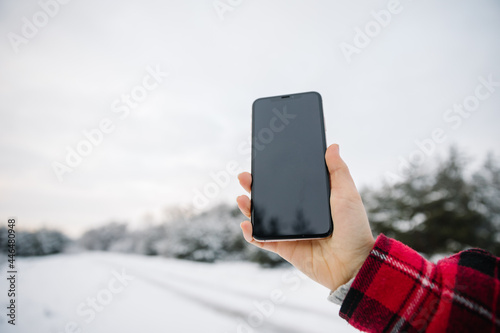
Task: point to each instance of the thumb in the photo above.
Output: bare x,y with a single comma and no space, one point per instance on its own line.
341,182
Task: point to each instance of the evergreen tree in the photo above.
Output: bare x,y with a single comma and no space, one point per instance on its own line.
440,211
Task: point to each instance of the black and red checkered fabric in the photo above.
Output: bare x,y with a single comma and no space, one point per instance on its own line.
397,290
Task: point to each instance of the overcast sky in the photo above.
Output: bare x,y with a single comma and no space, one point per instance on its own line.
70,73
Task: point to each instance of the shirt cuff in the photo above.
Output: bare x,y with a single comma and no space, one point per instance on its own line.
340,293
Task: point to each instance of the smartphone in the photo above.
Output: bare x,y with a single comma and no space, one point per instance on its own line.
290,179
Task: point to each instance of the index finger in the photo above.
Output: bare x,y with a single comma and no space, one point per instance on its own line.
245,179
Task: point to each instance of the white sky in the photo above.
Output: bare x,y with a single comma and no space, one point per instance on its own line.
64,80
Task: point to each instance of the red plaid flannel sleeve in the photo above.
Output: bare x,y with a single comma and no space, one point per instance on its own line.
397,290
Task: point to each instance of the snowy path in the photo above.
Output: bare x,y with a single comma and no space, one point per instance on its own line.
165,296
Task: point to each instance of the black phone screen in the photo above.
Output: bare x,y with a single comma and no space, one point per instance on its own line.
290,186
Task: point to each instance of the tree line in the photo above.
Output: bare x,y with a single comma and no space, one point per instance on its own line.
438,210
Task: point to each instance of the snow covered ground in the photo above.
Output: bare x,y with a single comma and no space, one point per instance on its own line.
109,292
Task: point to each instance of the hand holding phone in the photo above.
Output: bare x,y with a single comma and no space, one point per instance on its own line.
329,261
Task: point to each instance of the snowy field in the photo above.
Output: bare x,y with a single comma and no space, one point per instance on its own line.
109,292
